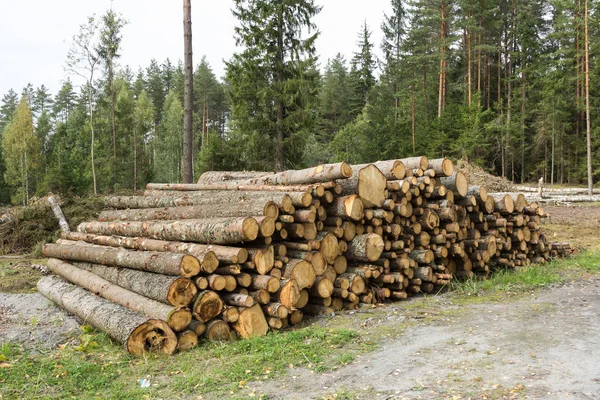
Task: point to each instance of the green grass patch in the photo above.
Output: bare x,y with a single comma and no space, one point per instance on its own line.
95,367
532,277
18,277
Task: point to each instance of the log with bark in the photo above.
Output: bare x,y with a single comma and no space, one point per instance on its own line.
159,262
178,318
206,254
368,183
62,221
137,332
208,231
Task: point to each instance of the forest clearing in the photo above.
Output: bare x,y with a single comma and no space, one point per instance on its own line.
222,229
336,350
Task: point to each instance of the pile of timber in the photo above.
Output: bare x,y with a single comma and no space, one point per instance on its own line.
241,253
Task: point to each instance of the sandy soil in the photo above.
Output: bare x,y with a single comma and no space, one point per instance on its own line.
544,346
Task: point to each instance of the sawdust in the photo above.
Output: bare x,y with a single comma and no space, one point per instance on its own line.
478,176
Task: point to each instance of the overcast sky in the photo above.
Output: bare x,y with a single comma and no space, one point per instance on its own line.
35,35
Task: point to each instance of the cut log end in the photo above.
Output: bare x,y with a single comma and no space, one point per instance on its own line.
181,292
250,228
190,266
153,336
179,318
346,170
207,305
354,207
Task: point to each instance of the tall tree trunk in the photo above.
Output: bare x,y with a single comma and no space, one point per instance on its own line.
587,104
280,164
412,88
425,93
187,173
134,159
92,141
442,64
112,115
523,84
469,89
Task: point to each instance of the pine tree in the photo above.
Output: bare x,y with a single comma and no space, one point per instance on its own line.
169,145
108,51
142,131
362,71
273,80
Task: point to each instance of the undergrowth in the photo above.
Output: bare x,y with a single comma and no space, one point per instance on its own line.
32,227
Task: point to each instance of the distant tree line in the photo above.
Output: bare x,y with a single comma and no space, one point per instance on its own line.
502,83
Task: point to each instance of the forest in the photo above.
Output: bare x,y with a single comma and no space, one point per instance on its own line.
501,83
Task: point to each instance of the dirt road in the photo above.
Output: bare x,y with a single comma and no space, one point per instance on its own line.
542,346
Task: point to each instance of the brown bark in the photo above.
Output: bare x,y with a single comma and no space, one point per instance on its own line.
269,209
138,333
176,291
350,206
217,230
177,318
228,198
365,248
209,256
163,263
187,173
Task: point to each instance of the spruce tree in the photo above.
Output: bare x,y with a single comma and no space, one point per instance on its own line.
273,80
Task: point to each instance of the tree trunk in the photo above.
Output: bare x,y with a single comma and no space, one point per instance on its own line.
138,333
188,95
217,230
161,263
368,182
391,169
209,256
587,104
300,271
251,322
365,248
270,209
62,221
211,197
163,189
177,318
456,183
441,166
346,207
207,306
177,291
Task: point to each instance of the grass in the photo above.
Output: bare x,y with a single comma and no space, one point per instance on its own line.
532,277
17,276
93,366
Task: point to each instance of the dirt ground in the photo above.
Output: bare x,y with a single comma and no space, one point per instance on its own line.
544,345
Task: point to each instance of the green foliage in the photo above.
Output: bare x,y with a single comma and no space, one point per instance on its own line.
273,81
22,153
168,144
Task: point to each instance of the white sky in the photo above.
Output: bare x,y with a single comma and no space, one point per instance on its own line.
35,35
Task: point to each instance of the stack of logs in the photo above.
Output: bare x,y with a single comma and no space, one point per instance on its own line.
240,253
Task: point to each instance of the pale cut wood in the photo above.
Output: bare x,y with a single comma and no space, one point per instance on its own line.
365,248
177,318
160,262
137,332
318,174
322,287
300,271
186,340
251,322
205,254
177,291
479,192
456,183
208,231
277,310
350,206
198,327
238,299
368,183
288,293
441,166
411,163
217,330
62,221
391,169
